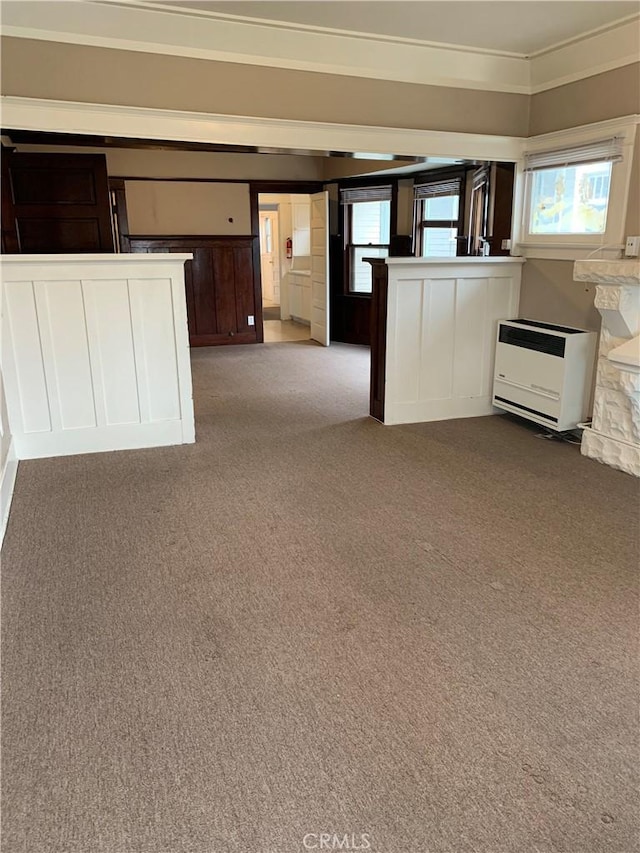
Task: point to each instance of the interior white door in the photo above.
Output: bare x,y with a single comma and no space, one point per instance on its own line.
269,260
320,268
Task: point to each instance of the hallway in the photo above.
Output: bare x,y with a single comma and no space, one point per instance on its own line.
308,622
283,331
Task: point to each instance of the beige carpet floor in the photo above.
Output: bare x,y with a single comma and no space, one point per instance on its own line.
423,638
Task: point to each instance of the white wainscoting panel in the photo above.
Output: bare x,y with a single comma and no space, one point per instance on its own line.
8,463
95,352
442,316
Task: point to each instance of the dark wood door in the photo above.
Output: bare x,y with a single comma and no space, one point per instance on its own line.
220,282
56,203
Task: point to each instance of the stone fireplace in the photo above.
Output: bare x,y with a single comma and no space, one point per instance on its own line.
614,434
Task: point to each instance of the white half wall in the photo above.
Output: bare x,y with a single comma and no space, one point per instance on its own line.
442,317
95,352
8,463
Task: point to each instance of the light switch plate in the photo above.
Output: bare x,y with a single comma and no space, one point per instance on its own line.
251,320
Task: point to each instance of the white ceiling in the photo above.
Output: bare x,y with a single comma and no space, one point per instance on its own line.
517,26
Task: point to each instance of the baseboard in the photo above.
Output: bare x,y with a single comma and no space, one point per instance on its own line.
421,411
7,483
103,439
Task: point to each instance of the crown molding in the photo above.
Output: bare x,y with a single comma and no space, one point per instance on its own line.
225,38
595,53
624,126
145,123
181,31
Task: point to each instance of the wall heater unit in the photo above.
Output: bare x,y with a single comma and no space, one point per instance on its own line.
544,372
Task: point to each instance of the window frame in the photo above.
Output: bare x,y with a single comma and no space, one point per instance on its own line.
576,246
419,221
348,248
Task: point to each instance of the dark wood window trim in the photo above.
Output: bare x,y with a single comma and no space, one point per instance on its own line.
119,218
349,248
479,209
420,222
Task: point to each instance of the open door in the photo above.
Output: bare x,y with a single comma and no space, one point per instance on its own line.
320,267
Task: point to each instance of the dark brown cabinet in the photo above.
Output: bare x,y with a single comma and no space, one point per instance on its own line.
55,203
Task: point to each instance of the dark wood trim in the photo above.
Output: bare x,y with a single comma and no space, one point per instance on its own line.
181,180
393,212
116,187
239,332
58,203
372,181
204,240
446,172
293,187
378,337
502,199
10,242
257,269
420,223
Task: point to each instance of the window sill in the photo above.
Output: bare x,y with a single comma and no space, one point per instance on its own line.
569,251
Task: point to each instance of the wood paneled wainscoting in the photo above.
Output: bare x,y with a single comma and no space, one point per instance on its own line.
222,286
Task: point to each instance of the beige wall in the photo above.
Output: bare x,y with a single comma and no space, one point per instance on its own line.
548,289
68,72
72,72
603,96
154,163
549,293
181,207
632,226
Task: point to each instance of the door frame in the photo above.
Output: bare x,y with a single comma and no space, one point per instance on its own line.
274,210
283,188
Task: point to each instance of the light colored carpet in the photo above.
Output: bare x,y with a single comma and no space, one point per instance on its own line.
308,622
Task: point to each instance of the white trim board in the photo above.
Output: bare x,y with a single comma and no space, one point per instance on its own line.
7,484
573,247
187,32
146,123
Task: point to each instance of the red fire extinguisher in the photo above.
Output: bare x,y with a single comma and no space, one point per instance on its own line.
289,248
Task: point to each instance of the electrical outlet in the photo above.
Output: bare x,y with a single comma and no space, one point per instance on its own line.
632,247
506,245
251,320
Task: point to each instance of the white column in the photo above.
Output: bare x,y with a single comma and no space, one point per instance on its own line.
614,435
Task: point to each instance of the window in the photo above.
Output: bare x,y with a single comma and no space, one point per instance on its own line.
570,199
574,198
367,218
437,213
479,210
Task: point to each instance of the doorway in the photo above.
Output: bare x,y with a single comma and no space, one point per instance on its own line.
293,235
269,261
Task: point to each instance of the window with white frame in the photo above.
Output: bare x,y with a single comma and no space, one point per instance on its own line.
575,196
367,221
437,218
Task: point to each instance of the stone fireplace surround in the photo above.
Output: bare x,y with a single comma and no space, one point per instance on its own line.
614,434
